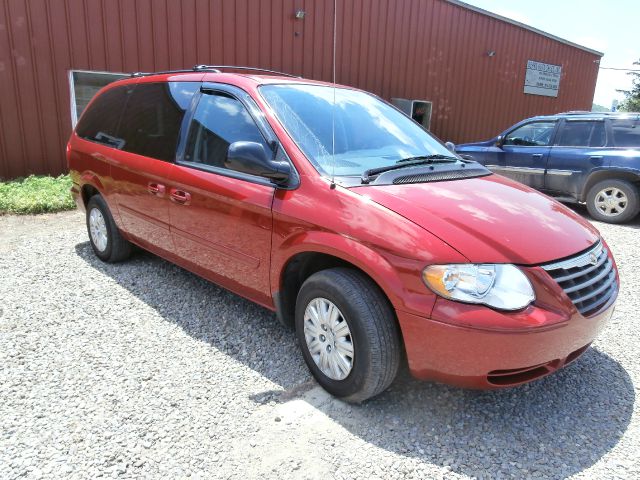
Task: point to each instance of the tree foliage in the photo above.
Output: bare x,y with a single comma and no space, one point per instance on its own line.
631,103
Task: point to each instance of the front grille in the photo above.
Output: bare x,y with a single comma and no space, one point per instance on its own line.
589,279
436,176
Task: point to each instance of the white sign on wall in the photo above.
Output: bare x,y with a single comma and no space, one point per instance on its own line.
542,79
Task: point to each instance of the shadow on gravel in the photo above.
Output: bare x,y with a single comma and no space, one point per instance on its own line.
582,211
556,426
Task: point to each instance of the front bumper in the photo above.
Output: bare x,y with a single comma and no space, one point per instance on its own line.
488,359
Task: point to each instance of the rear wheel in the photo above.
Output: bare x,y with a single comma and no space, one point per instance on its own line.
105,238
348,334
613,201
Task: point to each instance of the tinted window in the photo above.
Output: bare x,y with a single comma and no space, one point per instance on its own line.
582,134
85,85
626,132
537,134
100,122
219,121
151,122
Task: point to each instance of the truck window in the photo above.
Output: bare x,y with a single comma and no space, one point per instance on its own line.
582,134
626,132
536,134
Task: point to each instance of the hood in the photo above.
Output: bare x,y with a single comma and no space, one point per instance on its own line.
485,143
490,219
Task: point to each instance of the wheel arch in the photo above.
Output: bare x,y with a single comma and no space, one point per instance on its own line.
90,186
307,260
609,174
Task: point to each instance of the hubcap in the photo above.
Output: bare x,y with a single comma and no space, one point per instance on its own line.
98,229
328,338
611,202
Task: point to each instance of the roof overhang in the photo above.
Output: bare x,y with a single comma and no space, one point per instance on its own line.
524,25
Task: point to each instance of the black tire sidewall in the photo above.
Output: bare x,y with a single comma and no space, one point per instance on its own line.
632,197
357,377
97,202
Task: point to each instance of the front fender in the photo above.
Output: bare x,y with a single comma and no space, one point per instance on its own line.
399,278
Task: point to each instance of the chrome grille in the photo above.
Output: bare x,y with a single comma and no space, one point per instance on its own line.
589,279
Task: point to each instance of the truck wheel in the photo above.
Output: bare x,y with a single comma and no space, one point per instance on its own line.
613,201
105,238
348,334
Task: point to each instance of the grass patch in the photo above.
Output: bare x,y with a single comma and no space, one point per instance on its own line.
36,194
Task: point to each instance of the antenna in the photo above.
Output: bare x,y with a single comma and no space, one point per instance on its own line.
333,108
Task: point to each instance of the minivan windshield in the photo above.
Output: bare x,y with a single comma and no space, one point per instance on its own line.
369,133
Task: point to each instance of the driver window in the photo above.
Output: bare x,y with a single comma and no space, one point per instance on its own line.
219,120
537,134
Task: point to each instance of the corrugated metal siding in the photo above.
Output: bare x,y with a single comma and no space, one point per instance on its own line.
422,49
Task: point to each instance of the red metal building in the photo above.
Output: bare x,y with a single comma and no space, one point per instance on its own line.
469,63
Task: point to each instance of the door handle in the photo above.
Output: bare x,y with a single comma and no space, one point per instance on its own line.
595,157
180,196
537,155
156,189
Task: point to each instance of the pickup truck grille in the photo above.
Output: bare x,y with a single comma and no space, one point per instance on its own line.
589,279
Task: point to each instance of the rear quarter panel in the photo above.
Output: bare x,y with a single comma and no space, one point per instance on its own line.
90,164
623,164
569,168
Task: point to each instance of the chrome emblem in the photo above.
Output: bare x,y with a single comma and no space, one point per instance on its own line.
593,259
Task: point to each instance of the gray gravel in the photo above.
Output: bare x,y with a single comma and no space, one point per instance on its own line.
144,370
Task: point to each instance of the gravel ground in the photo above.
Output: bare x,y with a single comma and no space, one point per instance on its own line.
144,370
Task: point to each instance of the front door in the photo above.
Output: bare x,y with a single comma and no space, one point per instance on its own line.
221,220
524,153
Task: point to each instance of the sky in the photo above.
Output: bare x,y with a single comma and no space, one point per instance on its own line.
607,26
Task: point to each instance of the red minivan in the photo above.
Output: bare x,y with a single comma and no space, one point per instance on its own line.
356,226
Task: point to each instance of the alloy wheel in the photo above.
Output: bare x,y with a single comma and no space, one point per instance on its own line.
611,201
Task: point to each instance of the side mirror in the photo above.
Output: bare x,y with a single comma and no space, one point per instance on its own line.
252,158
450,146
499,141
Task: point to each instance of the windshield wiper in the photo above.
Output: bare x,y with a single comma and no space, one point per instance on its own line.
368,175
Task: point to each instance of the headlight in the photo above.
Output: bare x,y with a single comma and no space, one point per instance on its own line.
500,286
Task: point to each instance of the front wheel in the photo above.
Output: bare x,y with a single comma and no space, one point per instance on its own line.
348,334
613,201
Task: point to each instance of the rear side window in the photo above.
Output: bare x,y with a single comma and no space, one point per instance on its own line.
151,122
626,132
582,134
99,123
219,121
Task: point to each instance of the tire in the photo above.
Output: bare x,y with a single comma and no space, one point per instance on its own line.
112,247
620,191
373,333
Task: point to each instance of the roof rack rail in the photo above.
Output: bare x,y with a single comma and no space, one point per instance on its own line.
236,67
585,112
213,69
194,69
576,112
